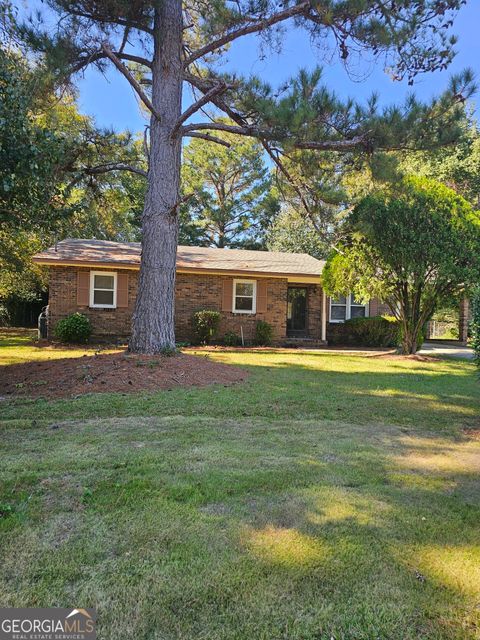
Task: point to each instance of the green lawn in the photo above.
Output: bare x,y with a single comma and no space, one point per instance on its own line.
328,496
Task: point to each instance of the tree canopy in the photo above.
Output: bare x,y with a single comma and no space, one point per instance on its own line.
55,174
457,166
411,245
291,231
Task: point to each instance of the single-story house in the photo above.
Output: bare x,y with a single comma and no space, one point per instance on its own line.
99,279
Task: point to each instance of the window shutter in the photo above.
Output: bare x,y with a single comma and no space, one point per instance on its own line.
262,293
83,288
122,290
227,297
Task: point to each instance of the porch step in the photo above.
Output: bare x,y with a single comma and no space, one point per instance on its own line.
304,343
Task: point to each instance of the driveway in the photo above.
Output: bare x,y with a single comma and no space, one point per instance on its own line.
450,350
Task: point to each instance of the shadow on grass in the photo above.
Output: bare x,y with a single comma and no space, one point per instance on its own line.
235,528
327,386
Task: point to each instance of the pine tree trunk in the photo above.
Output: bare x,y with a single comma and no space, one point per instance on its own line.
153,320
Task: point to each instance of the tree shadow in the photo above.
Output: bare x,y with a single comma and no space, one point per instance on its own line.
368,538
307,528
436,398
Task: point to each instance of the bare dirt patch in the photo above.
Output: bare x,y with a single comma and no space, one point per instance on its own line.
116,372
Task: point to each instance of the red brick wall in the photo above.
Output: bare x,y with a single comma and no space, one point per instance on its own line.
378,308
63,301
193,292
314,311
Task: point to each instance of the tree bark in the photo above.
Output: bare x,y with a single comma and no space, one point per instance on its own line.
153,320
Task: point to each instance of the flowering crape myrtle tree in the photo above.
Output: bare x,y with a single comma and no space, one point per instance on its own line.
164,47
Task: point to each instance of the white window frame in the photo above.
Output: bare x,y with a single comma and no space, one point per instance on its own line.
254,297
93,289
348,309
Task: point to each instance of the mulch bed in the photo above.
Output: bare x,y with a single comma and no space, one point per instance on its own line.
118,372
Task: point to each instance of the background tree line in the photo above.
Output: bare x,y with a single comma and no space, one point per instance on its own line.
57,181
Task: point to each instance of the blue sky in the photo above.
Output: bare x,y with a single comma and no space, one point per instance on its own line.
111,101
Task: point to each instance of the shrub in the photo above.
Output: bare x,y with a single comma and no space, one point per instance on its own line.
74,328
475,325
263,334
377,331
231,339
205,325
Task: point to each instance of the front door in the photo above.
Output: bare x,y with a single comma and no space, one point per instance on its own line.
297,312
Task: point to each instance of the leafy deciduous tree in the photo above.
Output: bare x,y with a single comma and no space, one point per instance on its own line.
56,174
411,245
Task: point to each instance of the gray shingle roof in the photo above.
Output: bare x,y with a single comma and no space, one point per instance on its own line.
105,252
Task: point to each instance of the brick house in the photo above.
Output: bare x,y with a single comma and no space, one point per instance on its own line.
99,279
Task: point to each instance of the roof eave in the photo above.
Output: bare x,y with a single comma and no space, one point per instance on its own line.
56,262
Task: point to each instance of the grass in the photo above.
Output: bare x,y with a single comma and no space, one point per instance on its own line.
329,496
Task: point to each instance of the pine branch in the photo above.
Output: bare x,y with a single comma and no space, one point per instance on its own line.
259,25
204,85
215,90
133,82
114,166
279,164
220,126
265,134
133,58
208,137
101,55
333,145
110,20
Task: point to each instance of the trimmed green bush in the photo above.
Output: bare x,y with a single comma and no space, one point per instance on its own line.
205,325
263,334
377,331
74,328
231,339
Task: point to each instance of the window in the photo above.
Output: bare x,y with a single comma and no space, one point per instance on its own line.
357,309
103,289
346,307
338,309
244,296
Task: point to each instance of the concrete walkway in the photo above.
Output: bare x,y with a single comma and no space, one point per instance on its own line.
442,349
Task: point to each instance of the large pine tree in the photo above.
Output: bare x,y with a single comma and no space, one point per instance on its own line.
161,47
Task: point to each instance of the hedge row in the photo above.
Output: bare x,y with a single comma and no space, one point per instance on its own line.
377,331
